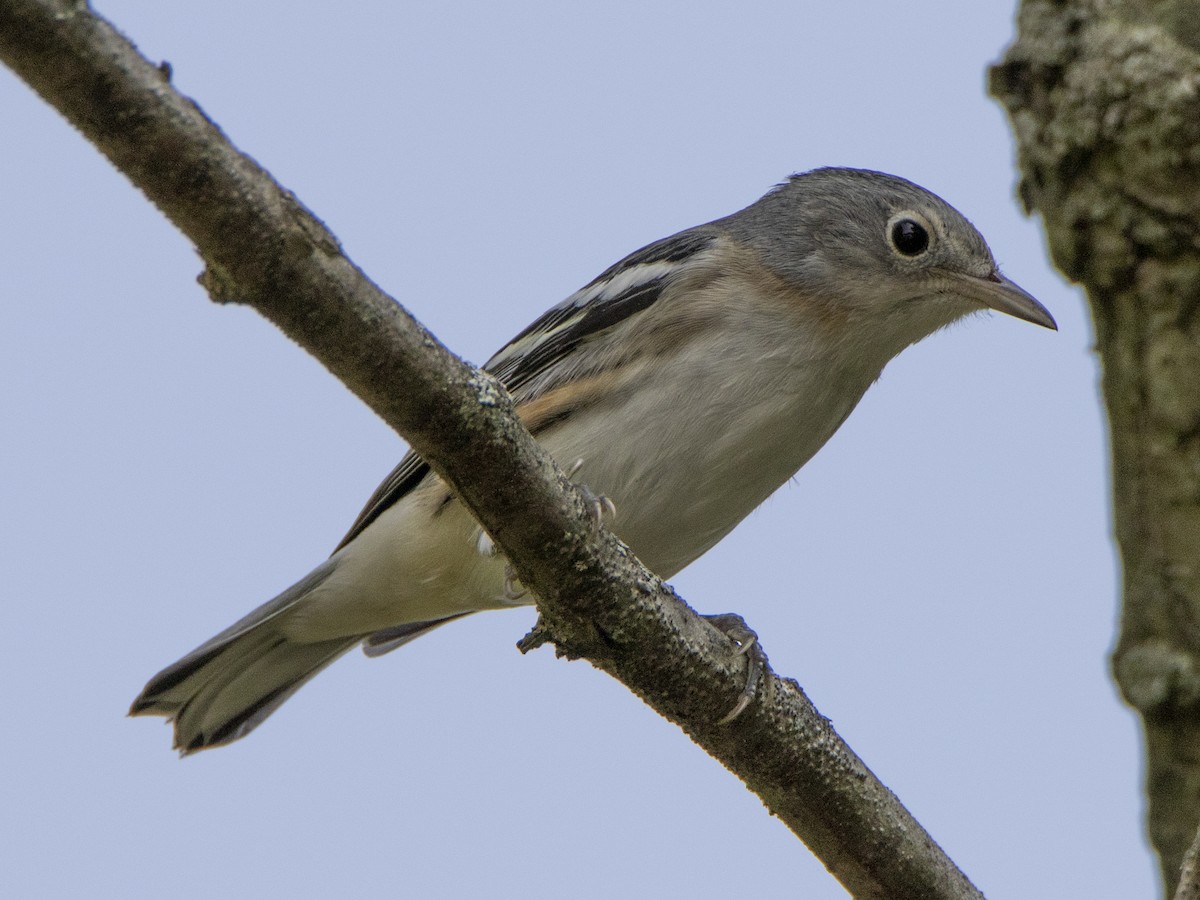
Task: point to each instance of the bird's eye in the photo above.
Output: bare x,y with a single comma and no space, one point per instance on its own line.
909,238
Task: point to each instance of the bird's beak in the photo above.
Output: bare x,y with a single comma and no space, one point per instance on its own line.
998,293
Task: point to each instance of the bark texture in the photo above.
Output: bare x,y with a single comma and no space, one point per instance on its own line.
1104,97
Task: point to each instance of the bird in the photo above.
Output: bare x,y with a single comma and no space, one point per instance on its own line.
683,386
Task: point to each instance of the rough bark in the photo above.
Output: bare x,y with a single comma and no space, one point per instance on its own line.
263,248
1189,873
1104,97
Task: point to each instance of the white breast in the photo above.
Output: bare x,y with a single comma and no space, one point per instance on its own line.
696,434
722,427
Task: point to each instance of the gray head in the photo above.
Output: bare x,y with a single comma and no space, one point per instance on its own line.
879,248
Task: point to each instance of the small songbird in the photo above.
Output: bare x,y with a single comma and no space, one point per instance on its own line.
684,385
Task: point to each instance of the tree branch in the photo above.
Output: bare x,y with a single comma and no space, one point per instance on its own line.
261,247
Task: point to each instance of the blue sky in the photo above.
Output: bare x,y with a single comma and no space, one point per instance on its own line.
941,578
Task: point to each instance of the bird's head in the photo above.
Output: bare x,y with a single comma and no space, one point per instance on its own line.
889,259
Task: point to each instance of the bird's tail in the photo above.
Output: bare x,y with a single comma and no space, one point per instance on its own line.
226,693
225,688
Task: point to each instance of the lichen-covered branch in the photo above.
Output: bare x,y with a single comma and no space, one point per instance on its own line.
263,248
1104,97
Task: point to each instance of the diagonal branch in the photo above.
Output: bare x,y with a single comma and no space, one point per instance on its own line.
263,248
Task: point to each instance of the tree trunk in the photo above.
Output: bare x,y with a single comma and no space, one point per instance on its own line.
1104,97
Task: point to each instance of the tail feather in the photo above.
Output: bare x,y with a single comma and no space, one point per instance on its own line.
249,687
390,639
224,694
226,687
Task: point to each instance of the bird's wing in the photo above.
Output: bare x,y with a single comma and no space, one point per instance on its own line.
524,366
621,291
402,479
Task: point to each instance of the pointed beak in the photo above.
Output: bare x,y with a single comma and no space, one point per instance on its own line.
998,293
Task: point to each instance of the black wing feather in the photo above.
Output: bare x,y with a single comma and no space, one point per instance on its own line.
565,326
520,370
672,249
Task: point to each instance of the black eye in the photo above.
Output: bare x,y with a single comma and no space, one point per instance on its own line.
910,237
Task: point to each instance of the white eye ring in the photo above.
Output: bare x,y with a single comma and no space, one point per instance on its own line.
909,234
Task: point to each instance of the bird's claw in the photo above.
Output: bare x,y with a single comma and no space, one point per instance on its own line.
735,628
602,504
512,585
599,503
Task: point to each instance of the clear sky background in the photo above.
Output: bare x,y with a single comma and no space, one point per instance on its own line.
940,579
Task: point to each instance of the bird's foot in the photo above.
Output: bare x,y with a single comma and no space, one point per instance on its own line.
735,628
600,504
513,589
